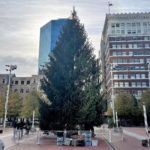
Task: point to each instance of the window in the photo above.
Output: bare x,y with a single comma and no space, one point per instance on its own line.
117,25
113,31
133,24
133,84
3,81
118,46
144,23
28,82
137,76
143,84
113,45
129,31
138,31
113,25
120,76
115,76
121,84
116,84
140,45
21,90
146,45
22,82
125,76
122,31
16,82
134,45
126,84
143,76
133,31
141,61
130,45
138,84
130,53
132,76
124,53
128,25
118,31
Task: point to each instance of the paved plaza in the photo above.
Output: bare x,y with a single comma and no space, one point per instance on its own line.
131,140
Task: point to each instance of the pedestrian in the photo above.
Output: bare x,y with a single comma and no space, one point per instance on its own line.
18,129
14,128
22,124
27,126
2,146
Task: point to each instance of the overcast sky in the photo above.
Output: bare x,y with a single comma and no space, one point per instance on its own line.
20,22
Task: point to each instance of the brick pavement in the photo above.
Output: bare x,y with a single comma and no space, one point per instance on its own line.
50,144
129,142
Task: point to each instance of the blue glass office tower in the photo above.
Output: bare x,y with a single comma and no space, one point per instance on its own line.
49,34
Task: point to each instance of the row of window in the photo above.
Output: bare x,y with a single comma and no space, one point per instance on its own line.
129,24
129,60
122,32
131,28
129,68
133,92
22,90
21,82
129,38
131,84
131,45
131,76
123,53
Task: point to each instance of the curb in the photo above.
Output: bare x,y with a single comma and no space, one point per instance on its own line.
110,144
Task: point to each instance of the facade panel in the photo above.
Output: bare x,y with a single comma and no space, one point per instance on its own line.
125,54
49,34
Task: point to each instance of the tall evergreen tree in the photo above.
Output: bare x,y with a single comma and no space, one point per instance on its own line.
71,81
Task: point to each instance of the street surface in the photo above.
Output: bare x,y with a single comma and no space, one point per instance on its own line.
45,143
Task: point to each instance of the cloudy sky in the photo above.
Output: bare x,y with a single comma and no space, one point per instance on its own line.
20,22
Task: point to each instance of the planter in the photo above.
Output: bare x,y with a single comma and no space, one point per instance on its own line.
94,142
1,131
145,142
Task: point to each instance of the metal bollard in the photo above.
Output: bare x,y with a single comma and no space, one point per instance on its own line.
38,137
2,146
110,136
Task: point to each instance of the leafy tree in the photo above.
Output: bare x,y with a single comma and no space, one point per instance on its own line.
71,81
128,108
14,104
30,104
2,106
146,100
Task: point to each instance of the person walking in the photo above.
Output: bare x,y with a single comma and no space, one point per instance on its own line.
2,146
18,129
14,128
27,126
22,124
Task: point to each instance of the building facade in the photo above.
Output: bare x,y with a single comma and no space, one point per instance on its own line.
125,54
22,85
49,34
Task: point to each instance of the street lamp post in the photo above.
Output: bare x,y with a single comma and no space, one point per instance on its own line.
112,95
9,68
148,65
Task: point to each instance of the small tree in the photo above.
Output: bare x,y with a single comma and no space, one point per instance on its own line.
128,108
30,104
2,106
14,104
146,100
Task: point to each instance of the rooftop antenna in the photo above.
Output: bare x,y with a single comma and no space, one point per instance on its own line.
74,13
109,5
